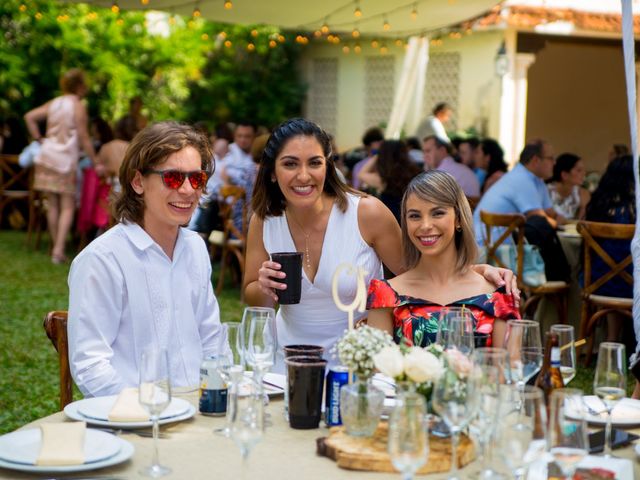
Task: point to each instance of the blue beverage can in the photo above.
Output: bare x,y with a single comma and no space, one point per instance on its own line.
336,378
213,389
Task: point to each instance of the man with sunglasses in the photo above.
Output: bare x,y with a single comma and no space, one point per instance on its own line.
147,281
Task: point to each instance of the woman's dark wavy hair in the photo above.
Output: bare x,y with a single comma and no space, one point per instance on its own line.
496,156
268,199
616,189
394,167
564,163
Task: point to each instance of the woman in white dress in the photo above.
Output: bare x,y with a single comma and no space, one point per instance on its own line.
568,196
301,205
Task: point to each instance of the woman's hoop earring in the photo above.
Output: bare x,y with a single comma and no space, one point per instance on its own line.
458,228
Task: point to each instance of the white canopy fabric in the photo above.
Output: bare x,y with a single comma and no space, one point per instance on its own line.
306,15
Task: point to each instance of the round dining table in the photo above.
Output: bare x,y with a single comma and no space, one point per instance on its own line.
193,451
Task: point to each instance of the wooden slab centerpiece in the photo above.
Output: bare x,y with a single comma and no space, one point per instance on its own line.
370,454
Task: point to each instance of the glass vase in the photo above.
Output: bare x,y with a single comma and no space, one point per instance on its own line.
361,407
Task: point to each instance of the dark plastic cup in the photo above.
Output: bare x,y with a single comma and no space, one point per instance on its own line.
480,339
303,350
305,384
291,265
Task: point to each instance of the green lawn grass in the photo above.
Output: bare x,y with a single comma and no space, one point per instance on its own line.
30,286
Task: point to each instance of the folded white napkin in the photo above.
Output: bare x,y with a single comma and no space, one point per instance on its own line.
62,444
127,408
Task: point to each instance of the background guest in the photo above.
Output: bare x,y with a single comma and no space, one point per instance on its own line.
568,196
493,159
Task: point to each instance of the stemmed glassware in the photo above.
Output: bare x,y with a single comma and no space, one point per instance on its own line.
522,428
247,420
260,346
566,341
610,382
491,364
567,437
154,394
455,329
408,437
231,368
455,399
524,347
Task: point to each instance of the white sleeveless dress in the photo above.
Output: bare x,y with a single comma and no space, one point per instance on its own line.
316,320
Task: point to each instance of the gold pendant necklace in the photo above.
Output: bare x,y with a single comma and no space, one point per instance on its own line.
306,244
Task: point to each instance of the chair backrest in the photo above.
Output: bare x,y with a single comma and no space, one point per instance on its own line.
231,195
55,324
592,234
12,175
510,224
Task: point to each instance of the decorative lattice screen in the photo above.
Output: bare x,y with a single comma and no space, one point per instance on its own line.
443,84
379,89
322,104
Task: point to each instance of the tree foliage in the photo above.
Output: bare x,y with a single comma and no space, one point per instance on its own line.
181,68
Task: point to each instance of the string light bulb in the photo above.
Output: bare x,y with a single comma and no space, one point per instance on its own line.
22,7
172,20
357,48
386,26
38,16
345,49
399,42
324,28
251,47
375,43
228,4
317,33
144,2
114,7
254,33
196,12
222,35
273,44
204,36
120,21
191,23
227,43
281,38
414,11
355,33
357,12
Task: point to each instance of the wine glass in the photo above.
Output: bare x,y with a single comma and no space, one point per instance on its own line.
455,329
408,444
247,420
154,394
522,428
261,343
567,437
231,368
454,398
610,382
566,341
523,344
492,366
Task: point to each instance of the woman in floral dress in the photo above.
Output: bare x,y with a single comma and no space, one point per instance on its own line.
438,250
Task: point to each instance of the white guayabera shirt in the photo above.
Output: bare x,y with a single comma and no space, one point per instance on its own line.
125,294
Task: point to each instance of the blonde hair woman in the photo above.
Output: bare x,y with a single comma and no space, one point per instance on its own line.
439,249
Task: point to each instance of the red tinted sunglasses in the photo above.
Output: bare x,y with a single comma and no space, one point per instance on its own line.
174,179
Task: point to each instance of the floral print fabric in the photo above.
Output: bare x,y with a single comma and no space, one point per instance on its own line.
416,320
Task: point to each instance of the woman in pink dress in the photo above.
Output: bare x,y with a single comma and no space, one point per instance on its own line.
55,172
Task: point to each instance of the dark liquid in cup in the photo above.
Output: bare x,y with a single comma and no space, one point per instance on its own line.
305,377
303,350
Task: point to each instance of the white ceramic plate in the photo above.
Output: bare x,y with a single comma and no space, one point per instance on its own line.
23,446
625,414
72,412
274,384
125,453
98,408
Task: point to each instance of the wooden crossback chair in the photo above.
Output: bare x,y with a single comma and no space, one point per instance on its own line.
55,324
596,306
16,185
232,241
513,224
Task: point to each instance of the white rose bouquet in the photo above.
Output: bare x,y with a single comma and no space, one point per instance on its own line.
357,348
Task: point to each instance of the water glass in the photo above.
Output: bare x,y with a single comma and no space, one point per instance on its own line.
567,437
455,398
154,394
455,329
491,364
522,427
566,341
247,420
408,443
610,382
231,369
524,346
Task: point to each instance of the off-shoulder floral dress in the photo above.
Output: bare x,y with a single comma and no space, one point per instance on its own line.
416,320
